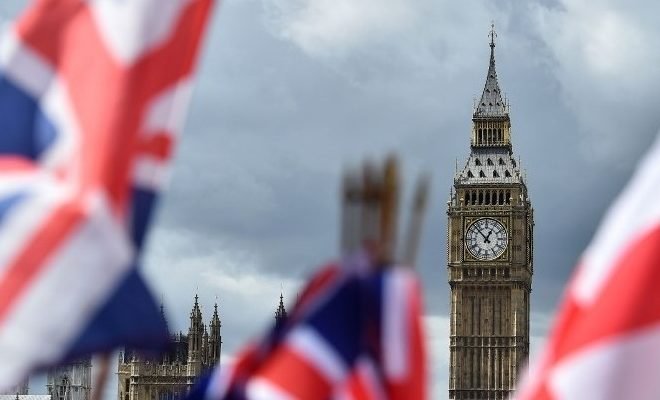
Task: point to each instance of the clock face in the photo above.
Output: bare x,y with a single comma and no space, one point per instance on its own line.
486,239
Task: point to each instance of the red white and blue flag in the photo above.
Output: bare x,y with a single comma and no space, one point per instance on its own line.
605,343
92,94
355,334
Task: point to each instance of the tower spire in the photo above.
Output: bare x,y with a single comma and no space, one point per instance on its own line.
491,103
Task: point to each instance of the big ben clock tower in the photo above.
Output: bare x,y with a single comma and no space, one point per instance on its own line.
489,256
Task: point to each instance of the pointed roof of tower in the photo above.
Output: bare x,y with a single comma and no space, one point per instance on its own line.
196,312
491,103
280,313
215,320
490,166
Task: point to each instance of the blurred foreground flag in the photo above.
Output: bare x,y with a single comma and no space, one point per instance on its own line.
355,334
606,341
91,96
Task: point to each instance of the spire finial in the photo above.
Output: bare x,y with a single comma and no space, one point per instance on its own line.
492,35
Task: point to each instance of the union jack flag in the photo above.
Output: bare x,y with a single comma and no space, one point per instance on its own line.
91,96
605,343
355,334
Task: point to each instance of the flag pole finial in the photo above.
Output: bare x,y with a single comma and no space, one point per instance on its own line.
492,34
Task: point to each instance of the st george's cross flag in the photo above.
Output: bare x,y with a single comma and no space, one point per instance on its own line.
354,334
92,94
605,343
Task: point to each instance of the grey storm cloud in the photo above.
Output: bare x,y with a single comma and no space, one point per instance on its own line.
289,92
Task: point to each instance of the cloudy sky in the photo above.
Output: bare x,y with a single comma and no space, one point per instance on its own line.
291,91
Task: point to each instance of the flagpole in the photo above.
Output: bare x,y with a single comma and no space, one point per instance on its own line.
416,221
390,207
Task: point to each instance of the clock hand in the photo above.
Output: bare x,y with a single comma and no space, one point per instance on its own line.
487,237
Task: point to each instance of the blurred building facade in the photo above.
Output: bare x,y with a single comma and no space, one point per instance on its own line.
170,376
71,382
25,397
20,390
490,252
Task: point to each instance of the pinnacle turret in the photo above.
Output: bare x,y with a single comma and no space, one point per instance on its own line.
196,313
215,319
215,339
195,340
162,315
280,313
